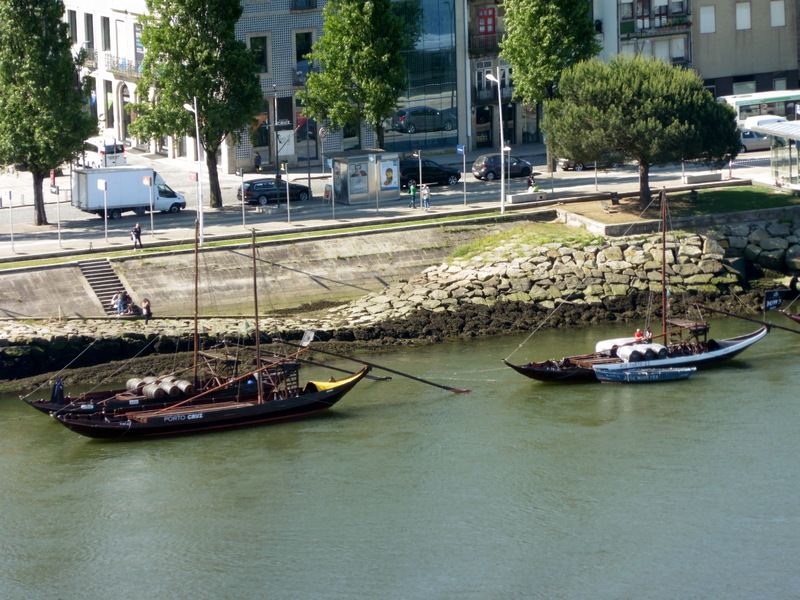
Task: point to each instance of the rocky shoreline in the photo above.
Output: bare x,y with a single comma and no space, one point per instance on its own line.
510,288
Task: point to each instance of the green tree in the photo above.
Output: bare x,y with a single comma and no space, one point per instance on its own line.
44,118
192,52
542,38
640,109
362,69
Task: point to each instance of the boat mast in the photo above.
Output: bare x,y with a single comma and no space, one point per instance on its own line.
196,294
663,197
258,330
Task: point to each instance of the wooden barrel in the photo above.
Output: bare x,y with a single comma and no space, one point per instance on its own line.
170,388
135,385
154,391
187,387
150,379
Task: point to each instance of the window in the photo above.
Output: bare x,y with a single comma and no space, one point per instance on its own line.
72,19
708,19
302,46
677,7
259,47
88,21
482,69
779,83
626,9
487,20
105,26
744,87
742,15
777,14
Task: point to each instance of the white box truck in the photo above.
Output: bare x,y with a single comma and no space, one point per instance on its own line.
126,189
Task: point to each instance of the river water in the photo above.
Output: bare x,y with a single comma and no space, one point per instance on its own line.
518,489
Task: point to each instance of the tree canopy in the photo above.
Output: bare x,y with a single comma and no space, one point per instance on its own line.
44,108
542,38
362,70
192,52
640,109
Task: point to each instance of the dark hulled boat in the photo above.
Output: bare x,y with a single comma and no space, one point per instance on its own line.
695,350
684,344
202,414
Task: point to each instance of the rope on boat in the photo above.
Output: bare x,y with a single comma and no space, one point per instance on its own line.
63,369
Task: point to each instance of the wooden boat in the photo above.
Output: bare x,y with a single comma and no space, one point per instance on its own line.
270,392
794,317
160,391
202,413
643,375
684,344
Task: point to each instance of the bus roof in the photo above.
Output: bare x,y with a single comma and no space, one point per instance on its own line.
758,97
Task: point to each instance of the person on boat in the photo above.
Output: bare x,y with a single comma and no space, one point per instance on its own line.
648,335
638,336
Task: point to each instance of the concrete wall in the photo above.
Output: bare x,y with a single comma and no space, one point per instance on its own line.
290,273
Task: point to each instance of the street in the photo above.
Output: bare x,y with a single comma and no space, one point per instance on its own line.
71,230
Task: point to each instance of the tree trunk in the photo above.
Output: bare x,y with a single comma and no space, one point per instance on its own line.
214,192
644,184
379,136
39,216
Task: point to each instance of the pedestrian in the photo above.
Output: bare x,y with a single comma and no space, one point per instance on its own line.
425,196
532,183
136,236
257,162
147,312
412,190
121,303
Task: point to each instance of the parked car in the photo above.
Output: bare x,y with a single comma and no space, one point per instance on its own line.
487,166
567,164
432,172
752,140
262,191
424,118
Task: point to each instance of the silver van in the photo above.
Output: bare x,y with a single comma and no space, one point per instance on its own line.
752,140
100,152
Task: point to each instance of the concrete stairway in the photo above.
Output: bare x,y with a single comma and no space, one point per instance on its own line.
103,280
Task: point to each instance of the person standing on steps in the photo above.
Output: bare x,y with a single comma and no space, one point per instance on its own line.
412,190
147,311
425,196
136,236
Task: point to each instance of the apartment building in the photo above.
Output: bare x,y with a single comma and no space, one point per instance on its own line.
736,47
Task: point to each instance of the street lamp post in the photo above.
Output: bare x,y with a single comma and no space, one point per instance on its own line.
193,109
496,80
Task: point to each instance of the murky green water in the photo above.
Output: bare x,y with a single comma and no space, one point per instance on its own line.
517,490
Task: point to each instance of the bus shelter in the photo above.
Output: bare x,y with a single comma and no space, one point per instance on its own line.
365,176
783,155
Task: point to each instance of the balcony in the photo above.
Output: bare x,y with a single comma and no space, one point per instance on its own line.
486,43
654,27
123,67
488,95
90,58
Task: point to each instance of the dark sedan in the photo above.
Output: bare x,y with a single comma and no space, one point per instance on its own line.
424,118
487,166
431,173
262,191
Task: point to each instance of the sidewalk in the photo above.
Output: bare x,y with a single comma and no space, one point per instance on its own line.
82,233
